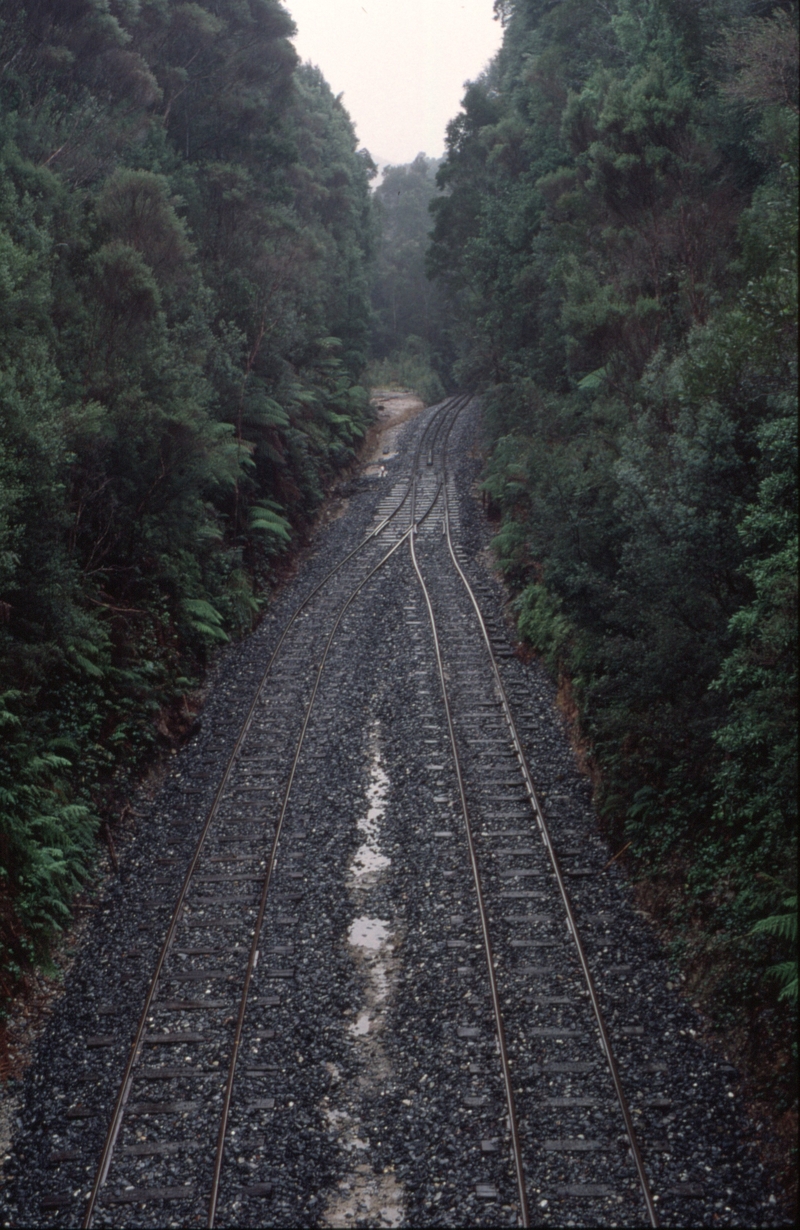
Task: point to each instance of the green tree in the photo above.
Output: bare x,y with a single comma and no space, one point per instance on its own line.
185,241
617,236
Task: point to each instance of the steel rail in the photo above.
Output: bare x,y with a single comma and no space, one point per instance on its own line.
484,920
138,1041
435,424
254,949
545,834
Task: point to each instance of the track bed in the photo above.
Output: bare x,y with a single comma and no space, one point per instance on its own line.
366,962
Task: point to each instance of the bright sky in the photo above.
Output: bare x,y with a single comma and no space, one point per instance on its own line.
401,64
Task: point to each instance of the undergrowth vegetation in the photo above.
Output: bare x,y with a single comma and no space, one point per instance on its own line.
185,240
409,368
617,233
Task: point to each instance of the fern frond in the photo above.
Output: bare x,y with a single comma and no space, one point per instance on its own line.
787,973
266,521
205,618
782,926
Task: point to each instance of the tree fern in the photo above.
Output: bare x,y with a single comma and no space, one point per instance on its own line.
783,927
264,519
205,619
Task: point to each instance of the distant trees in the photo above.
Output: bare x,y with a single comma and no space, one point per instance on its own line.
185,243
410,336
617,234
406,302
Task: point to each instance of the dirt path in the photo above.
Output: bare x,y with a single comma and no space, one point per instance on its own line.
394,407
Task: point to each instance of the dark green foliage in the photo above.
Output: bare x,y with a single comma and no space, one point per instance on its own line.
45,841
185,240
405,301
411,344
618,238
783,927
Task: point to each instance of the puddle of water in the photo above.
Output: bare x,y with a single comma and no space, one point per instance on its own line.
369,933
367,1195
371,938
366,859
363,1196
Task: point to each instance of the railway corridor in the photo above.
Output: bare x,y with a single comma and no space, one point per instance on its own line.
368,962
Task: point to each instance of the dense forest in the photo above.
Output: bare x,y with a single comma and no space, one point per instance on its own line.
185,241
616,232
193,277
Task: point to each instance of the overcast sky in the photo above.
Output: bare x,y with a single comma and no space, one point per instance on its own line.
401,64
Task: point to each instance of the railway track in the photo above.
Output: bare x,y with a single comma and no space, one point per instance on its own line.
213,939
498,840
460,1051
230,853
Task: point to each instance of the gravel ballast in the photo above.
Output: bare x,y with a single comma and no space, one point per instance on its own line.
368,1089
